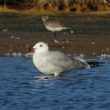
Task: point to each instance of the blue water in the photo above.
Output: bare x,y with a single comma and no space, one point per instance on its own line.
86,89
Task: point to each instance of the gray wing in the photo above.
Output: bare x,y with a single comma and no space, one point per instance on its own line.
65,62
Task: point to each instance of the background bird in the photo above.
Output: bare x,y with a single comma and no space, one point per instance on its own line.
53,25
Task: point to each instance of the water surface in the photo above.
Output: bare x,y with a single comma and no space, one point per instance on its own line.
86,89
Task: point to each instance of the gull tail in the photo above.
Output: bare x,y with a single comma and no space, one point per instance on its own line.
94,64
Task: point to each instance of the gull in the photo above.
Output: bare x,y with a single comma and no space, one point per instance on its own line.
55,62
53,25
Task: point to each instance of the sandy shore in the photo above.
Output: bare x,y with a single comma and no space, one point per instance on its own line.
70,43
90,36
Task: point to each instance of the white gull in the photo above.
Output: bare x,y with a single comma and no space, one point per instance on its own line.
54,62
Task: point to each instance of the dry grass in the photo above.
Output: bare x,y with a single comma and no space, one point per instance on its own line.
7,10
51,11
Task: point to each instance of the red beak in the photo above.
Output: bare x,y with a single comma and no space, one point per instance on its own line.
32,49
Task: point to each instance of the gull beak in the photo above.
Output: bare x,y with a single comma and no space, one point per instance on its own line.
31,49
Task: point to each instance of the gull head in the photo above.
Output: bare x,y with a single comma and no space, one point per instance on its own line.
44,18
40,47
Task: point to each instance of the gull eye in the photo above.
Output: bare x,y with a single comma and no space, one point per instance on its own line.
40,45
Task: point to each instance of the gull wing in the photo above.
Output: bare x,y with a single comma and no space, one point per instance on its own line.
63,61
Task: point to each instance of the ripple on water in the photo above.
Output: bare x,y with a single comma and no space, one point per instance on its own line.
86,89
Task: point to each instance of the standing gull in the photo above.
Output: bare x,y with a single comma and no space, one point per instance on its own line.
55,62
53,25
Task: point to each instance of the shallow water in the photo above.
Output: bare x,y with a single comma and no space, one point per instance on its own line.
87,89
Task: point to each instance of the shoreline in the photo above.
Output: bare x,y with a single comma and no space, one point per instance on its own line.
89,35
89,45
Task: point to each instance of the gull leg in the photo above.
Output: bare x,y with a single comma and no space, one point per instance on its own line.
56,74
43,77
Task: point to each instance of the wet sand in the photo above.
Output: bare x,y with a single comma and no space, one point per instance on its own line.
90,36
89,45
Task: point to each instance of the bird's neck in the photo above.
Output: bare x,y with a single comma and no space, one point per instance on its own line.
45,22
37,54
38,57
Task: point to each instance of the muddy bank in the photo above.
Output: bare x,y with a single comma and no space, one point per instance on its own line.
75,44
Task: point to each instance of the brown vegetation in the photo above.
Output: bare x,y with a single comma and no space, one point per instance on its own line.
59,5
